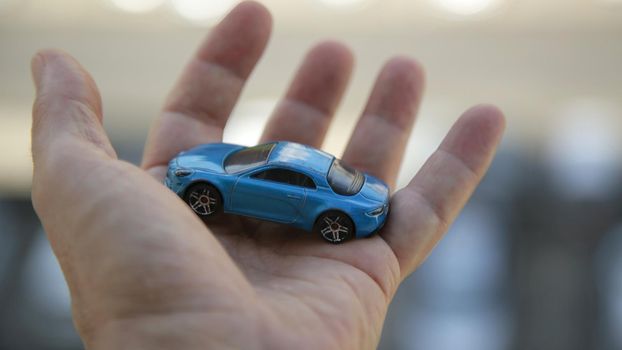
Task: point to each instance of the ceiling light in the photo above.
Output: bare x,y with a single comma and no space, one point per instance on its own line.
467,7
137,6
343,3
202,10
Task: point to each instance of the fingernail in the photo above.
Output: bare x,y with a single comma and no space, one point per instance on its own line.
37,66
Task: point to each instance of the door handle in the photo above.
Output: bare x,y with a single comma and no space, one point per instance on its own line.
293,196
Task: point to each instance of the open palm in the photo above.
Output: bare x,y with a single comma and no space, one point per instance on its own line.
145,272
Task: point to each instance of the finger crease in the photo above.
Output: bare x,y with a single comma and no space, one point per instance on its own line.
309,108
437,212
207,64
196,111
470,170
205,118
391,122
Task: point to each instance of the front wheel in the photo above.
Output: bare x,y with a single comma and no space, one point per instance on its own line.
334,227
204,199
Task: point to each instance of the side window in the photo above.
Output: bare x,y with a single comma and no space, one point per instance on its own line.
276,175
285,176
301,180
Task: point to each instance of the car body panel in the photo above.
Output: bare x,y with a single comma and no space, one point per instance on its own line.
374,189
276,201
267,199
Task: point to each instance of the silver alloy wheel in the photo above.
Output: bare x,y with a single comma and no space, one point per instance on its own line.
203,199
335,227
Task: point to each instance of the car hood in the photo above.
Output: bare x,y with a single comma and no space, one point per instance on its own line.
207,157
374,189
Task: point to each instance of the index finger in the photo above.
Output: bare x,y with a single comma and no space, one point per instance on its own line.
199,105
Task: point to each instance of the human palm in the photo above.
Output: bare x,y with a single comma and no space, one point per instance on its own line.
145,272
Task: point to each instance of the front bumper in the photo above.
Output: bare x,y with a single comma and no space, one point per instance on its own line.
369,225
173,182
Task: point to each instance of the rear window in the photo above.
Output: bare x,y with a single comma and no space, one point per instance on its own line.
343,179
248,158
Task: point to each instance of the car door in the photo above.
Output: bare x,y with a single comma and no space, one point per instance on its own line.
273,193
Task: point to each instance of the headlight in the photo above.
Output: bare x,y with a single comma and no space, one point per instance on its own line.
182,172
376,212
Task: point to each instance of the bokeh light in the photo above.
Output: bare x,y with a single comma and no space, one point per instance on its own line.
201,11
137,6
467,7
343,3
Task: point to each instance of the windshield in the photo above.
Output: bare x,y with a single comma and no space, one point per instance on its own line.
248,158
343,179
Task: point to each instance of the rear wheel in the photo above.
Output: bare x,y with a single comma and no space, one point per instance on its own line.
204,199
334,227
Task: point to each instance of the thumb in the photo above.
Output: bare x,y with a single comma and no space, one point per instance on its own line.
67,132
67,107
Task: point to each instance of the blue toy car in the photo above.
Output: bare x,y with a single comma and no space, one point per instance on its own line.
283,182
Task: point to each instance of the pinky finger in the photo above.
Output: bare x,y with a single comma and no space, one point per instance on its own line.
422,212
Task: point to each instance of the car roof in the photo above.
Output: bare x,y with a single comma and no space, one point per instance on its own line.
301,156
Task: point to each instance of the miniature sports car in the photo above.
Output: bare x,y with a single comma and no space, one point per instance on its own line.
283,182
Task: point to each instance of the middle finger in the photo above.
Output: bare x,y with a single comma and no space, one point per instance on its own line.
378,142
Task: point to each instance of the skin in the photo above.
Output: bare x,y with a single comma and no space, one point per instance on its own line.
146,273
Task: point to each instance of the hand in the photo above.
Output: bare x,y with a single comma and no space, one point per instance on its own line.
145,272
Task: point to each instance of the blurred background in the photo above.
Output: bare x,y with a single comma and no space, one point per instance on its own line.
534,261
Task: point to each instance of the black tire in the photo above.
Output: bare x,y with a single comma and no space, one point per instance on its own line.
334,227
204,199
